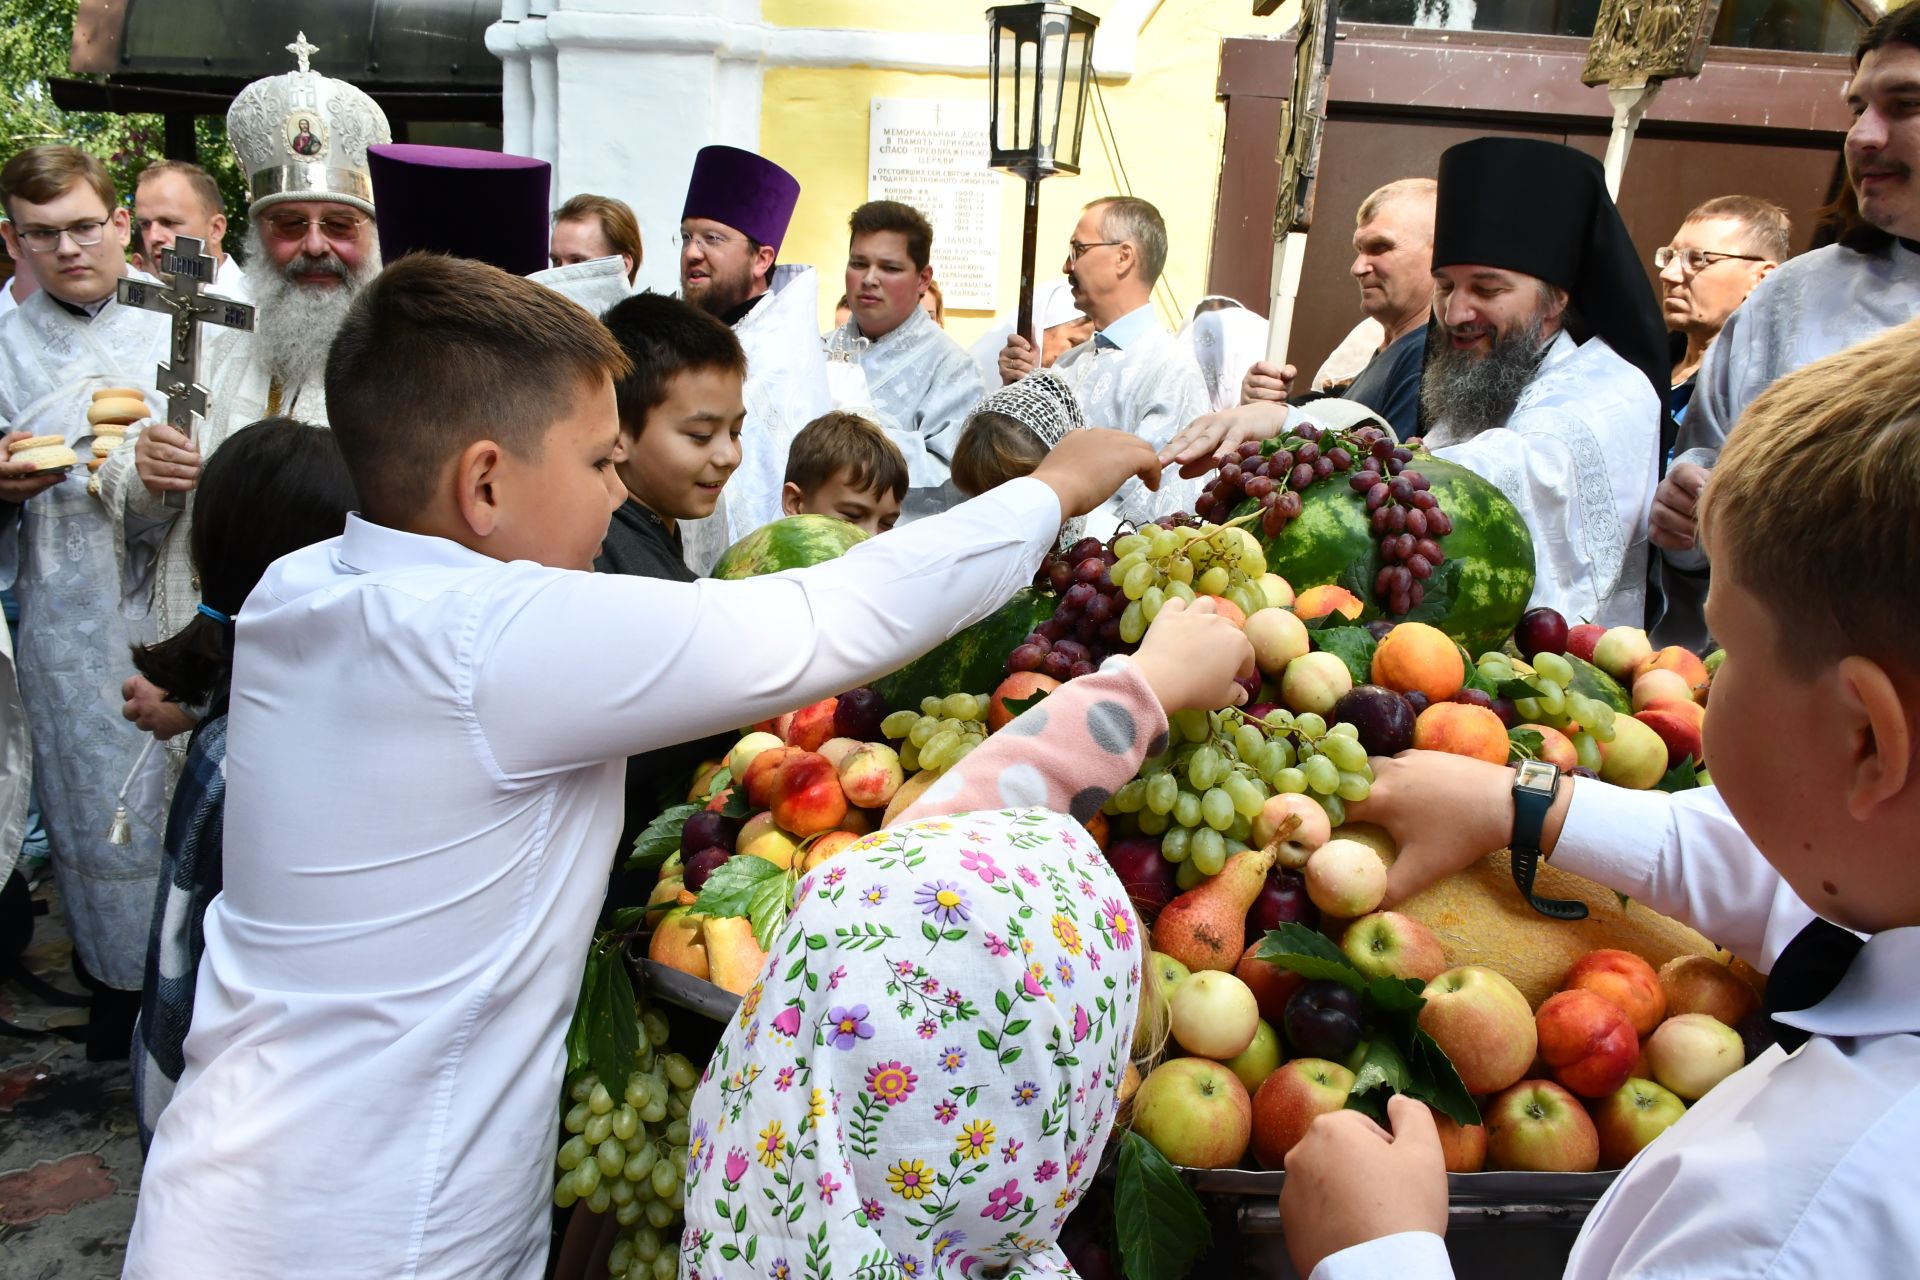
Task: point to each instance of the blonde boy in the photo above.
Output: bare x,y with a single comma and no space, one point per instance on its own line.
1802,1164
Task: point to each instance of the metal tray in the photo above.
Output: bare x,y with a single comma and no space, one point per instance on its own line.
686,991
1573,1190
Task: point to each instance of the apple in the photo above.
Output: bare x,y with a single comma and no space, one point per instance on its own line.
1291,1099
762,837
1625,979
1582,639
1323,1020
1315,682
1701,984
1213,1014
741,757
1694,1052
1463,1146
1195,1112
1620,651
1636,758
1555,746
1306,835
1483,1024
1277,637
1539,1127
1387,944
1259,1059
1586,1042
1271,985
1632,1116
1346,878
1164,975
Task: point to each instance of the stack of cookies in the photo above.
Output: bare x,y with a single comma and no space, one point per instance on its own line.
114,409
43,453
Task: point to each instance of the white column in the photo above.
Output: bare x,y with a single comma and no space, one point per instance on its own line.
516,78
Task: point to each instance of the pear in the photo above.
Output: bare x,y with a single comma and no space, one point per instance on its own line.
733,956
676,943
1206,927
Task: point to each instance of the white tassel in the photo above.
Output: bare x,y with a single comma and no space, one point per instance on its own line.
121,831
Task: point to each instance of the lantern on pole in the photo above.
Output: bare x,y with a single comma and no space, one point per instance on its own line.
1041,64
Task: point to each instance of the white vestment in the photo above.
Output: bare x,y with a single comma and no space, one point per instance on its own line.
1224,344
921,385
58,551
1579,456
16,760
786,389
1151,387
230,281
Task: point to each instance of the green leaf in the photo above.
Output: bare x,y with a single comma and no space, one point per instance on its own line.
729,891
1681,777
768,906
1020,706
1310,954
1434,1081
1353,646
736,805
1525,744
1158,1222
1440,590
577,1053
1382,1068
1514,690
613,1034
1396,995
722,779
656,844
1474,679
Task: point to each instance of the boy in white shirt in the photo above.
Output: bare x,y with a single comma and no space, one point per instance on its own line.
430,720
1802,1164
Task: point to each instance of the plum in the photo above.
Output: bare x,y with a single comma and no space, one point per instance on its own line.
858,714
1474,698
1146,876
1282,900
1540,631
1383,717
705,829
1379,627
701,865
1323,1020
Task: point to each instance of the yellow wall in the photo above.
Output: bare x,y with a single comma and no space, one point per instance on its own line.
1167,123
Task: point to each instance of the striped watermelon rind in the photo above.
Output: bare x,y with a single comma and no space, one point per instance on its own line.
792,542
973,660
1477,596
1594,683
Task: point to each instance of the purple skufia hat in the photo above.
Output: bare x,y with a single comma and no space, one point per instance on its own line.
739,189
455,200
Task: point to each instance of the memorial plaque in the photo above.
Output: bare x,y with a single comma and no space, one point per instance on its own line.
932,154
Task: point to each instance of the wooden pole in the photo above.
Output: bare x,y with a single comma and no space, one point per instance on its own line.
1029,243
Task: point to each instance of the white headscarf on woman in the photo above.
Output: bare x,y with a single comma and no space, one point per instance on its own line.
1225,341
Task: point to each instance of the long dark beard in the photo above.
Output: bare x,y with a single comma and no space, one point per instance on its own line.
1466,394
296,324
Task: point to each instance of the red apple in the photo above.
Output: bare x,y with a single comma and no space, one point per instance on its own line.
1632,1116
1582,639
1482,1023
1626,980
1463,1145
1680,722
812,725
1271,985
1694,1052
1213,1015
1292,1098
1701,984
1586,1042
1539,1127
1387,944
1195,1112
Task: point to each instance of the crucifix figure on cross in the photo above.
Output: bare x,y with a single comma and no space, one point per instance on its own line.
191,268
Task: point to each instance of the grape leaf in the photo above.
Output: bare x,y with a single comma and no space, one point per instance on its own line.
730,890
1525,744
1353,646
1158,1222
656,844
1679,778
1310,954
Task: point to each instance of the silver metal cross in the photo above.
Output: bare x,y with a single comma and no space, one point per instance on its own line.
191,269
302,50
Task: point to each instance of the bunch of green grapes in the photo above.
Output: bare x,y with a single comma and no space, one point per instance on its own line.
1201,795
1587,722
629,1154
941,733
1158,562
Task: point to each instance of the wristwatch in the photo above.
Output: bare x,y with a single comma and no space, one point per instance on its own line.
1535,784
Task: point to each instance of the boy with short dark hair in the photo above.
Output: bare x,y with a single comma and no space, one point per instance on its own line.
842,465
430,720
1801,1164
681,414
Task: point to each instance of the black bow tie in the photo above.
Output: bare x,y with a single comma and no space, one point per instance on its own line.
1805,974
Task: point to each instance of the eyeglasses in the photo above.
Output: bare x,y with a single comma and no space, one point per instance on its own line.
707,239
338,227
1696,260
1075,249
47,239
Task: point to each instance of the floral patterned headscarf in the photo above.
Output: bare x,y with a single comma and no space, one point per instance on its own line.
923,1080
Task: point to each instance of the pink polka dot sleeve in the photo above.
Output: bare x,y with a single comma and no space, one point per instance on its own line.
1068,752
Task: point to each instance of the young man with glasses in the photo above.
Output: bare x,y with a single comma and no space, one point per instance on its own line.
1132,374
59,552
1722,250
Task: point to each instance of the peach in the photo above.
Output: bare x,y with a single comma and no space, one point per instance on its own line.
1682,662
1636,758
1463,730
1318,602
762,837
679,943
1701,984
1315,682
861,821
1018,687
1680,723
1555,746
760,775
870,775
825,847
1276,591
838,749
1464,1146
1586,1042
1277,637
1098,828
807,798
1625,980
1693,1052
702,779
1417,658
812,725
1621,651
1654,686
1346,879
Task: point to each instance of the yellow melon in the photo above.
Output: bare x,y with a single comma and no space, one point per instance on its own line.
1480,918
911,790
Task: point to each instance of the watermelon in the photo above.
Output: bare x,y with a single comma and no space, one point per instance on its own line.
971,661
793,542
1594,683
1476,596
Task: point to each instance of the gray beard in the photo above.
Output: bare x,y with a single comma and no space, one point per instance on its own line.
295,324
1466,395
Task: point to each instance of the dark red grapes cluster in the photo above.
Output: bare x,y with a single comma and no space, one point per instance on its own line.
1084,630
1276,473
1407,520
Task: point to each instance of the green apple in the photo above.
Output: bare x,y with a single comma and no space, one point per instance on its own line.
1632,1116
1257,1061
1164,974
1195,1112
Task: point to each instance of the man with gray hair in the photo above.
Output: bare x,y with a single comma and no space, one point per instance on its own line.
1131,375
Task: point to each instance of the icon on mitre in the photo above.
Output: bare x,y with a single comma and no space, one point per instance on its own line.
306,136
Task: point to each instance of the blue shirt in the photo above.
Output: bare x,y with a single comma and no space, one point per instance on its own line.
1128,329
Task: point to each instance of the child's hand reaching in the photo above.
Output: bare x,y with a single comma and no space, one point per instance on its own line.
1088,465
1191,655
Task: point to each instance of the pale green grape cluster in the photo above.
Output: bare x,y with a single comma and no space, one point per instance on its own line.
629,1154
1201,795
941,733
1587,722
1158,563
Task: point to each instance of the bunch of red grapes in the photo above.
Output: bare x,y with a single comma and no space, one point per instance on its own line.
1084,630
1403,514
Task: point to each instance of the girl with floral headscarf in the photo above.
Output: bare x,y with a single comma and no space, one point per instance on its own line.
923,1079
